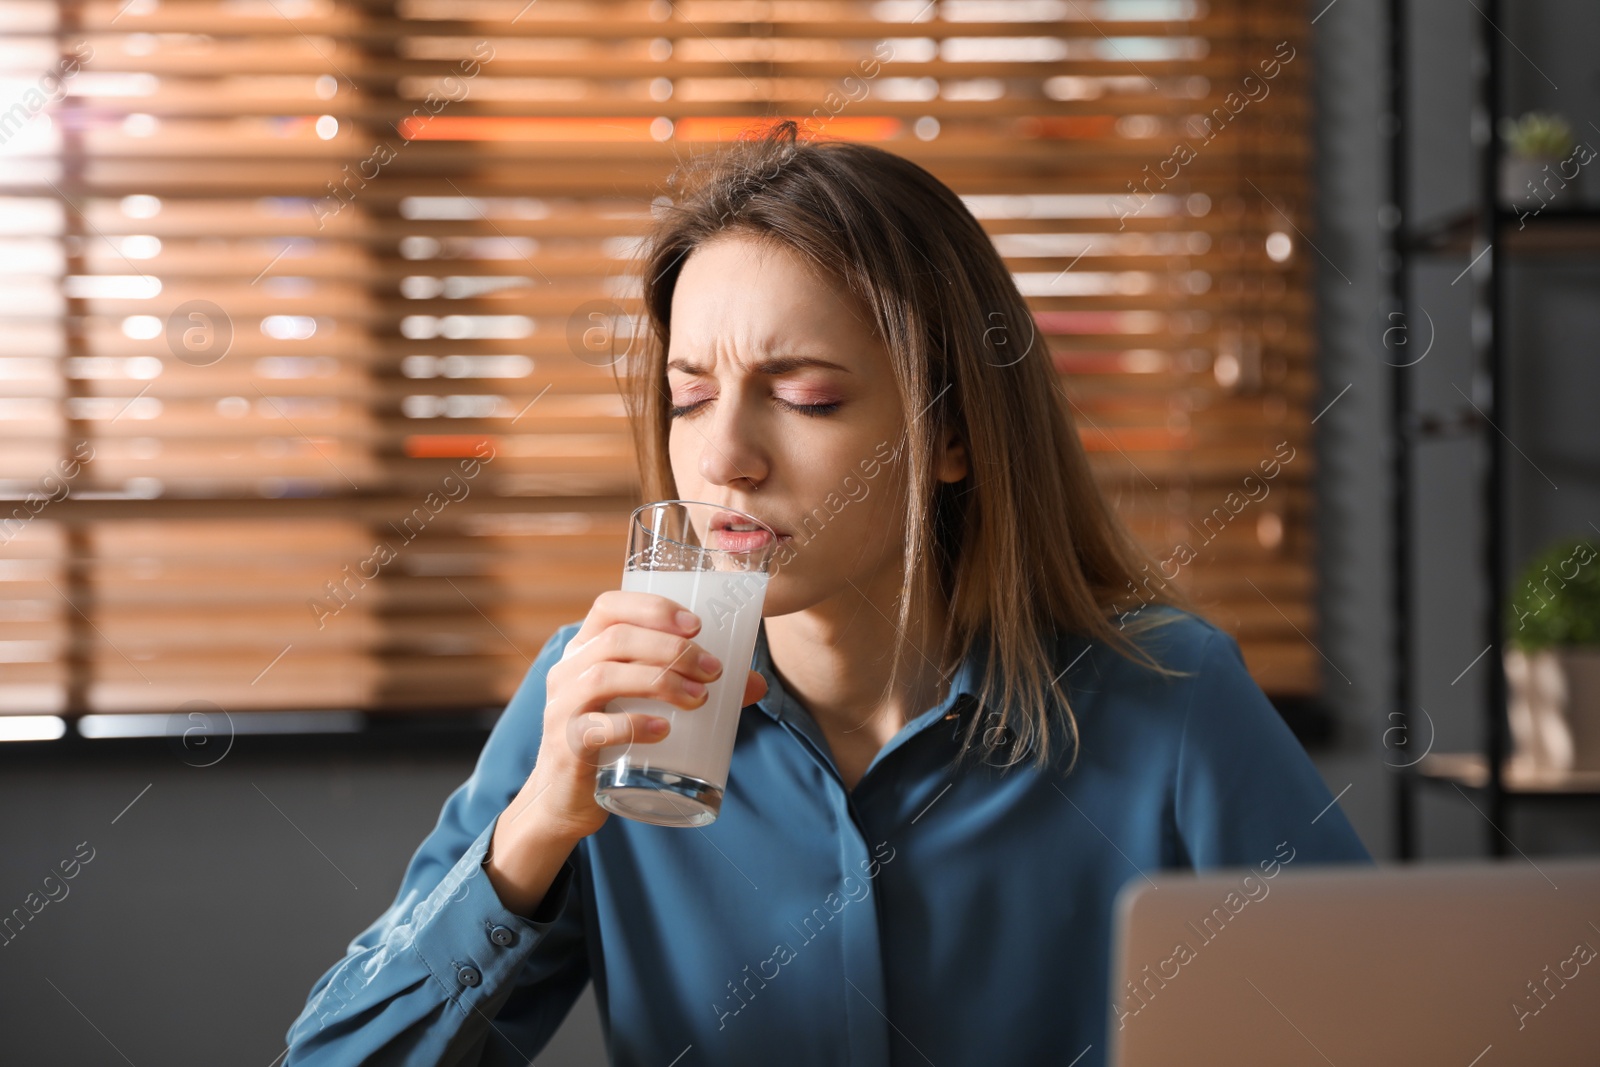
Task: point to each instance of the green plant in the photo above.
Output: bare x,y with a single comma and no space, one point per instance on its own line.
1537,135
1557,601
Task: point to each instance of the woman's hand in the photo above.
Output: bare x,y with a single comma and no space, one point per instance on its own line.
630,645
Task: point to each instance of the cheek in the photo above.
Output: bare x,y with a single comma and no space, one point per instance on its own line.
684,460
869,519
880,512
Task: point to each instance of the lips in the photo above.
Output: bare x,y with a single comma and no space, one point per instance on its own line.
735,533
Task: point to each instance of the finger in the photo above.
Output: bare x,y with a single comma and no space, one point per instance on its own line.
592,731
641,609
625,642
606,680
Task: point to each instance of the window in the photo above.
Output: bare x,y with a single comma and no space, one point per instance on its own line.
309,308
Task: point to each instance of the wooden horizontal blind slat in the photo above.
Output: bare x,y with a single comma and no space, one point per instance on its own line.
265,297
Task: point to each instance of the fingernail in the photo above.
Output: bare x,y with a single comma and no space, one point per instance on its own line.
656,726
708,662
687,620
693,688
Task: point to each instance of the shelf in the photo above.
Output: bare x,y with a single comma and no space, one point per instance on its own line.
1550,232
1456,240
1471,769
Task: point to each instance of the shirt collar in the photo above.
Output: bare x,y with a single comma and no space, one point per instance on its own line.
777,703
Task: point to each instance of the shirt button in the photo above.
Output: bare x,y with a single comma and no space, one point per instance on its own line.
503,936
469,976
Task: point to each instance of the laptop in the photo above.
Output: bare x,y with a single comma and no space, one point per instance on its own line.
1482,964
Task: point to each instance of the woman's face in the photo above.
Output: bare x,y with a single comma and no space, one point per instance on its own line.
784,406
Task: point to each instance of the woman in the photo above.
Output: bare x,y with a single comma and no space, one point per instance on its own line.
974,717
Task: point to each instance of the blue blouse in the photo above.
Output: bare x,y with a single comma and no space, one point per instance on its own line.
922,917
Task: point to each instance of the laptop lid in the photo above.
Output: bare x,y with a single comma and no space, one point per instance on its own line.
1455,964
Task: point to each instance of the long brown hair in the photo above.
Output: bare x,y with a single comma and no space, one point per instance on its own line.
1025,546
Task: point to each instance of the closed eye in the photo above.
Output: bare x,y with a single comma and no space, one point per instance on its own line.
812,410
807,409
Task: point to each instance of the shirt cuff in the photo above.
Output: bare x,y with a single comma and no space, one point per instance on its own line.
471,943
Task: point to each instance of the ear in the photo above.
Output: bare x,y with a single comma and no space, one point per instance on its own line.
952,463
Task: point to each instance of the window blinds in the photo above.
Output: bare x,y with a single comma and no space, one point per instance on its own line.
309,308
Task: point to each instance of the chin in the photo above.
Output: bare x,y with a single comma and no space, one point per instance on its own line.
783,598
776,603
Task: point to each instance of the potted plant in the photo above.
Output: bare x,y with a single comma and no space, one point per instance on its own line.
1552,659
1536,144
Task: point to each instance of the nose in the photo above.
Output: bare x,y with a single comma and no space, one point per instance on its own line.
731,453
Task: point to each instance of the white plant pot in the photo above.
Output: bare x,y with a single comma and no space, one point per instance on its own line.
1581,669
1526,183
1554,711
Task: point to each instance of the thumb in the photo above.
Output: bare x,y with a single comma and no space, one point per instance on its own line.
755,687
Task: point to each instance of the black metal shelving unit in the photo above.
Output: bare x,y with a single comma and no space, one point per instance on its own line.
1486,237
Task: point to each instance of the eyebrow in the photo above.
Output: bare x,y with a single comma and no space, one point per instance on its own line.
774,365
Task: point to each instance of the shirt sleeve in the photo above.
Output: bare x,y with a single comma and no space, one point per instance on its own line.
448,975
1246,793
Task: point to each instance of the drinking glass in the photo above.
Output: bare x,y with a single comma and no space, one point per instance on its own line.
714,561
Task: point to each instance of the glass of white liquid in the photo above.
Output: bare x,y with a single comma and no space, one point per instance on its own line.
714,561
